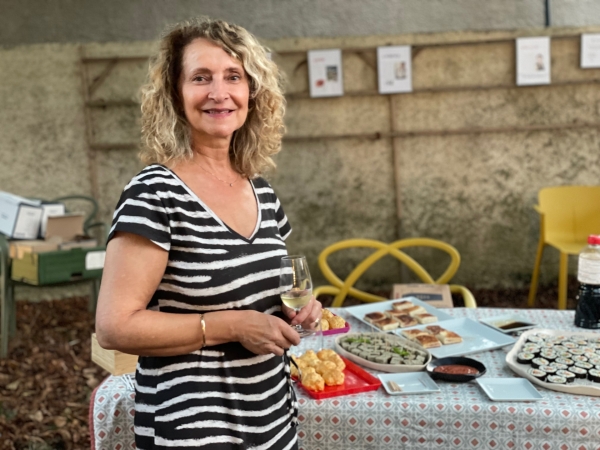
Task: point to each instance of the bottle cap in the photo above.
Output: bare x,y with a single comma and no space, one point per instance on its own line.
594,239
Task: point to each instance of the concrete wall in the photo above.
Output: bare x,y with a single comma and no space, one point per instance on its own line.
35,21
470,151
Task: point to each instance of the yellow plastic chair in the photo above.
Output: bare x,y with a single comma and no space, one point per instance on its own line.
568,215
340,289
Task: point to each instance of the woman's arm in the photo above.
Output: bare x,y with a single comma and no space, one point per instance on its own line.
133,270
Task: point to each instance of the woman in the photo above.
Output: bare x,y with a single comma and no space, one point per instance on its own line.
191,279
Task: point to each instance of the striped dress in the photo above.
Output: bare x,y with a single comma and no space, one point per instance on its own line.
224,396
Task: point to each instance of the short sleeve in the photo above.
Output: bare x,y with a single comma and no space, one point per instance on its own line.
285,229
141,211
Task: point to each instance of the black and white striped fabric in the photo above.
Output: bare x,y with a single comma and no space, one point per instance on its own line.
220,397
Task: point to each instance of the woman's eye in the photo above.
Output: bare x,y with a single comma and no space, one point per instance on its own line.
199,78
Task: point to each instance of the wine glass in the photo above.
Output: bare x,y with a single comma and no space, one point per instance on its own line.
296,287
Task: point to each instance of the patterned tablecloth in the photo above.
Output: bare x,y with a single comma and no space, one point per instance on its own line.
460,416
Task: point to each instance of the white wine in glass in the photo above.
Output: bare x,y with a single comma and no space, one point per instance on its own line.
296,286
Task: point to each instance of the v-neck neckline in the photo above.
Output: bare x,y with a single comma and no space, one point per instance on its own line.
221,222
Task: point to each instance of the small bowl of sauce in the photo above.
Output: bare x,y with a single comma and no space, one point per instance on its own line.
458,369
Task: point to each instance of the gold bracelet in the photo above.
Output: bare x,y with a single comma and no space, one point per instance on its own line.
203,330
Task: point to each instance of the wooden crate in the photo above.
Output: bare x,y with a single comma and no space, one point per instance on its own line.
114,361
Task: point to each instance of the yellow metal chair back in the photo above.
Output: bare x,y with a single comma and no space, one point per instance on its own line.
568,215
340,289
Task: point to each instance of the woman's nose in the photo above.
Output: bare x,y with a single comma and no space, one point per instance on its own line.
218,91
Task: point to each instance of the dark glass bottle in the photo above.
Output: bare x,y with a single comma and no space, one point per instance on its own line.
587,313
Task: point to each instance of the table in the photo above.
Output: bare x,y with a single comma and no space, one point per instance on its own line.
459,417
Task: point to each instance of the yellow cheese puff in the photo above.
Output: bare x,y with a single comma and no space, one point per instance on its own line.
333,378
326,354
326,314
324,325
313,381
339,362
336,322
325,366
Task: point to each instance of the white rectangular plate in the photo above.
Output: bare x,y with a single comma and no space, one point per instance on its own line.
410,383
496,321
476,338
361,310
509,389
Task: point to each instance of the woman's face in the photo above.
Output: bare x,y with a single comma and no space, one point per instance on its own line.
215,91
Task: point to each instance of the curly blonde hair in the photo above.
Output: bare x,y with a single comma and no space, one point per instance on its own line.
166,135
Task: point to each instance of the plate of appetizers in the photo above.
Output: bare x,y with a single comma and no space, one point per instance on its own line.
407,312
383,352
326,374
456,337
565,361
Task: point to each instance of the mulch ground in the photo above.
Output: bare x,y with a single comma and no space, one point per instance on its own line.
47,380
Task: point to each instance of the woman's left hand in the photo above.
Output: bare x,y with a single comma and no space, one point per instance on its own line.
309,316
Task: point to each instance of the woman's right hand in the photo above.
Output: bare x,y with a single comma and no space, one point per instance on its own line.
263,334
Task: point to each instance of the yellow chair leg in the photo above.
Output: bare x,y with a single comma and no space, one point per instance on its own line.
562,280
536,275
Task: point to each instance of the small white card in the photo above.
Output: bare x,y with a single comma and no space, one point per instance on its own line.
325,73
394,69
95,260
590,51
533,61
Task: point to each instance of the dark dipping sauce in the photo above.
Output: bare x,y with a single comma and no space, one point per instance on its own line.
511,325
456,369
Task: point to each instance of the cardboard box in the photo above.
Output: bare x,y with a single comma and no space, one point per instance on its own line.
19,248
20,218
437,295
67,232
113,361
60,266
48,210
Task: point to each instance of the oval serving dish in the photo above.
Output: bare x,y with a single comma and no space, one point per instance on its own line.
400,349
455,360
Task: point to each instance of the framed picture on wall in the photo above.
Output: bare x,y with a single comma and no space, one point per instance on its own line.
394,69
590,51
325,73
533,61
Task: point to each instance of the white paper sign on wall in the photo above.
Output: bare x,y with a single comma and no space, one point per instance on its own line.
325,73
394,69
533,61
590,51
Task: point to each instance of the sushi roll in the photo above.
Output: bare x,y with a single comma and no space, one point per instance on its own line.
566,361
594,360
535,339
525,357
549,355
547,345
579,358
535,349
569,376
587,349
550,370
584,365
537,373
539,362
556,379
578,372
594,375
560,349
576,351
559,366
570,345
